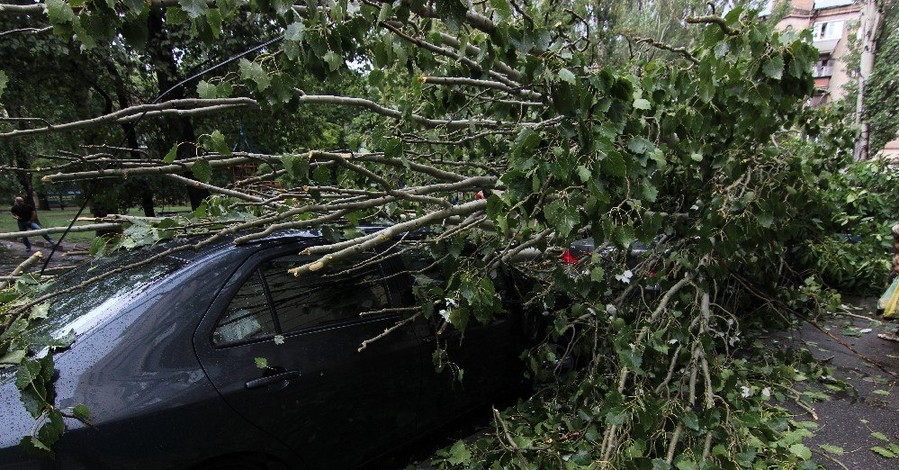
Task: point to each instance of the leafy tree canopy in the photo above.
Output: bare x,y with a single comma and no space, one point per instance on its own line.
398,113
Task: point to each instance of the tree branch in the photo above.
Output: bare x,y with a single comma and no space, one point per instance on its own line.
189,106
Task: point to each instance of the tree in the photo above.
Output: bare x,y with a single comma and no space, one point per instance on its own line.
690,147
880,90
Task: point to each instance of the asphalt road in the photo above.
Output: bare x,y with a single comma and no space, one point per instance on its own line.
860,418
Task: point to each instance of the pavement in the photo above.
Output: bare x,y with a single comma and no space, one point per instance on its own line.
12,253
861,421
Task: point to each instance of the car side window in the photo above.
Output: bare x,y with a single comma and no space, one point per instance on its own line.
248,316
338,293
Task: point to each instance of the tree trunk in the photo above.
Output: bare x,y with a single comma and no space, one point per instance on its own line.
870,23
178,129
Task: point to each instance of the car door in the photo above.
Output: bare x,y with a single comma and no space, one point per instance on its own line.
283,351
475,366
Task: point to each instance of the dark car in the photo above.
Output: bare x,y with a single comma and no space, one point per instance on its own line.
219,358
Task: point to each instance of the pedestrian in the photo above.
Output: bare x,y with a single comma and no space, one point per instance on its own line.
893,336
26,216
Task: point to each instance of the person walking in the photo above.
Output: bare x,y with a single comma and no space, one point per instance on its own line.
26,216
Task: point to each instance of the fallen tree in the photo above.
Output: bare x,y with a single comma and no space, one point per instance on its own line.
704,153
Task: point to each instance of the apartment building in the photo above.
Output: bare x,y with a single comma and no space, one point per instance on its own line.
832,24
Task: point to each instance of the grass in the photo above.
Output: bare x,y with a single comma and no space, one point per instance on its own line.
62,218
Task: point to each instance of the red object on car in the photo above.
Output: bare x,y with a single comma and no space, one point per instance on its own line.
568,257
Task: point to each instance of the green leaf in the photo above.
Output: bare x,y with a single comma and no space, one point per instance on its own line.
774,67
254,72
213,19
171,155
12,357
801,451
881,436
202,171
830,449
297,166
206,90
659,464
567,76
4,79
721,49
194,8
393,148
765,220
34,447
641,103
502,7
29,371
690,420
295,32
883,452
39,311
216,143
81,412
639,145
175,16
334,60
52,429
59,12
614,165
526,141
632,358
583,173
261,362
459,454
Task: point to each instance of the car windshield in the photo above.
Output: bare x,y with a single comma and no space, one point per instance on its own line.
83,307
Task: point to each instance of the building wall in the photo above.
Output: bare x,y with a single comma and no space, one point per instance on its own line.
831,81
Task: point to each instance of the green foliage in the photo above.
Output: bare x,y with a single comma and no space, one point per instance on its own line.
882,87
852,250
703,153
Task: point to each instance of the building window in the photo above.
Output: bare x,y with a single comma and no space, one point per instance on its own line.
828,30
823,68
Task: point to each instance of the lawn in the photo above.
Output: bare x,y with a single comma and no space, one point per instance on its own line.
62,218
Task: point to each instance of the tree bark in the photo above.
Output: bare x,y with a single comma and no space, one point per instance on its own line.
870,24
178,128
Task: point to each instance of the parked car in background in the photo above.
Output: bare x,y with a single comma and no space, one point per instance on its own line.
219,358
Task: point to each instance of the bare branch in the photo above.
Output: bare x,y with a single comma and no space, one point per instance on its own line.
357,245
48,230
213,189
188,106
399,115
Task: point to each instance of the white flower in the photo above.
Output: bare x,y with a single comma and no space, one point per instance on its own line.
451,302
672,341
444,313
745,392
625,277
611,309
279,339
766,392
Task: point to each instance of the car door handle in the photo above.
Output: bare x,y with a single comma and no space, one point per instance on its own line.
279,378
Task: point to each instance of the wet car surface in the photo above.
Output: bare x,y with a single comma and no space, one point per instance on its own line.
221,359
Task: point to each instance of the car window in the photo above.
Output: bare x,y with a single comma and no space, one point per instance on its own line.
249,315
338,293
